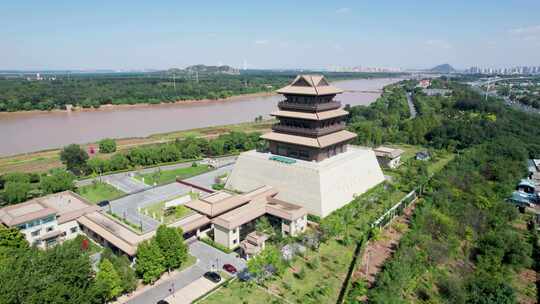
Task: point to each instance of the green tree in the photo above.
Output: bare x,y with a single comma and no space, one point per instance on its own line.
16,192
122,265
150,261
18,177
58,180
487,289
107,145
108,275
172,246
12,238
74,157
191,151
118,162
98,165
269,258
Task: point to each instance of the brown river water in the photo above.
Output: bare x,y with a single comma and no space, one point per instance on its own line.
30,132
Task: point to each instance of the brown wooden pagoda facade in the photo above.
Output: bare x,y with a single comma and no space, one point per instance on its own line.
311,124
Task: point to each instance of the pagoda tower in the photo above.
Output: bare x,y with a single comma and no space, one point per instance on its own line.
311,123
309,160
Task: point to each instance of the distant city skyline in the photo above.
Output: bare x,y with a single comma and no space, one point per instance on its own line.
123,35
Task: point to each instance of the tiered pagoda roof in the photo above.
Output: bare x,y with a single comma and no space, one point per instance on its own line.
311,124
313,85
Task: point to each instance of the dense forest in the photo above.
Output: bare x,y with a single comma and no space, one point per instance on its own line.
463,246
20,94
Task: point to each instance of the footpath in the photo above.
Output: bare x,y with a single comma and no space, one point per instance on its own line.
378,251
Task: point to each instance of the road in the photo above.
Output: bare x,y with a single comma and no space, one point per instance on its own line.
208,258
124,181
412,109
507,101
206,180
127,206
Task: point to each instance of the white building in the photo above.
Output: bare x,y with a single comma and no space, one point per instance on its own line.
388,157
320,187
47,220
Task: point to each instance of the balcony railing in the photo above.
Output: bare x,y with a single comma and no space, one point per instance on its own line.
285,105
309,131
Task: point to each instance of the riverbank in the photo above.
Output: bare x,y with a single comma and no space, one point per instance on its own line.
112,107
41,161
28,132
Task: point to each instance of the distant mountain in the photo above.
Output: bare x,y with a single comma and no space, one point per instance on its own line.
212,69
443,69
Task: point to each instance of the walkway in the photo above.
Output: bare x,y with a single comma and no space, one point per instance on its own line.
208,258
377,252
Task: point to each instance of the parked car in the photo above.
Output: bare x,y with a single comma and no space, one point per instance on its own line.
213,276
229,268
103,204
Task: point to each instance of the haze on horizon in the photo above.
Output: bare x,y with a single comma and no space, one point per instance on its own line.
274,34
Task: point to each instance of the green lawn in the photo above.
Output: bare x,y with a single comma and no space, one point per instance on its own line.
156,211
237,292
98,192
320,284
167,176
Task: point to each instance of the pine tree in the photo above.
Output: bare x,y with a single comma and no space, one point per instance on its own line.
172,246
150,261
107,276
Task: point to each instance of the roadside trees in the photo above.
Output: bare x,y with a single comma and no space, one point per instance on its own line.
109,278
74,158
150,261
171,244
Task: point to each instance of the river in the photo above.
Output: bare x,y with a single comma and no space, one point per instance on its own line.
30,132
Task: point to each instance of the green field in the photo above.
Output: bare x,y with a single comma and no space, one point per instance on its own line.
168,176
98,192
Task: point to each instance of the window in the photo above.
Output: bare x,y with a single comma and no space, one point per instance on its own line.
73,229
48,219
235,241
36,232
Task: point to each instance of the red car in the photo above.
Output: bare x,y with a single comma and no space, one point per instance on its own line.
229,268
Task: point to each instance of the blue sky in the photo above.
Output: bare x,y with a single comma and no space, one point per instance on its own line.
267,34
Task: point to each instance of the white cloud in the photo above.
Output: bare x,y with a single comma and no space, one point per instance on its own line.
439,43
261,41
526,34
526,31
343,10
